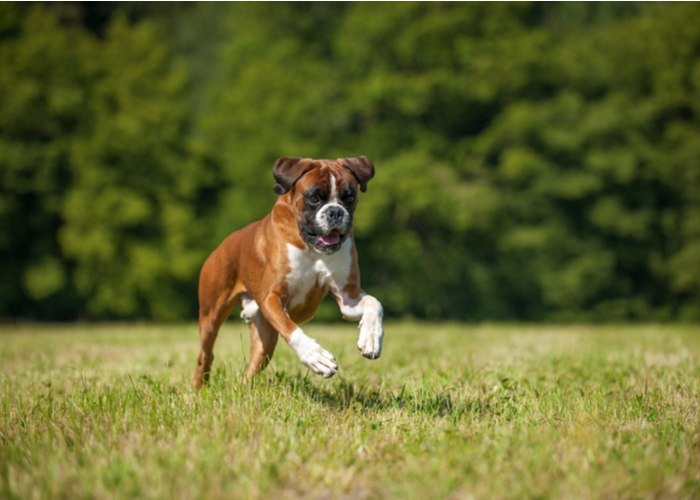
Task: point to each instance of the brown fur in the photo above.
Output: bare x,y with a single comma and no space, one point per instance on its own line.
254,260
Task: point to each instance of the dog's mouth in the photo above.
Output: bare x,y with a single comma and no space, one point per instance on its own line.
330,239
327,242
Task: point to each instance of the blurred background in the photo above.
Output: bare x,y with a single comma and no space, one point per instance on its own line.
534,161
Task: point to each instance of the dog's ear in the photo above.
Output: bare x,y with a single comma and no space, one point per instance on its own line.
288,171
361,168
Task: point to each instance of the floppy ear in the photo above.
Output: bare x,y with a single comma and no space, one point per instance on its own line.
361,168
288,171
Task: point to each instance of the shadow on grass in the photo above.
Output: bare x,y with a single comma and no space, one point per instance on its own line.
415,400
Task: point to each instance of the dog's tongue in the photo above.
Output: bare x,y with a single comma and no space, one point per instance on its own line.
331,238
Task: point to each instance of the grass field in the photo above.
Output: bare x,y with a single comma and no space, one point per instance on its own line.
449,411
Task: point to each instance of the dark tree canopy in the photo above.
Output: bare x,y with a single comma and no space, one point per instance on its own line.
533,161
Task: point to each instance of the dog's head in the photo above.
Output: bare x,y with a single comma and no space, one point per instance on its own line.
323,194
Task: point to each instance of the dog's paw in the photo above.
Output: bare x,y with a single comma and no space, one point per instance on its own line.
312,354
249,308
371,339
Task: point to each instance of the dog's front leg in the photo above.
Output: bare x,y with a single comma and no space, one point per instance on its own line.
309,350
370,313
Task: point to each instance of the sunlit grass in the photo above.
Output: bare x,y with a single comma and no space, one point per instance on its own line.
449,411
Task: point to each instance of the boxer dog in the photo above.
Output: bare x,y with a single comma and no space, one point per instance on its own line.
278,269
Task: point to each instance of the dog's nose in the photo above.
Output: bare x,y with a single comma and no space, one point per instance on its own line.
334,214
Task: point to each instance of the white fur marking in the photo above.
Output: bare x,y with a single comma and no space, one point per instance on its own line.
249,308
371,313
311,268
322,220
334,190
312,355
333,201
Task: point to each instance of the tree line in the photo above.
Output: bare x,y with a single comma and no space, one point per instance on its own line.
533,161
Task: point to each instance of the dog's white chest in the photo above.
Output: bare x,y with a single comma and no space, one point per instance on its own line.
310,269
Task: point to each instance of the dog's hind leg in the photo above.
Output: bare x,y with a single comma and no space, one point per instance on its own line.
263,340
210,320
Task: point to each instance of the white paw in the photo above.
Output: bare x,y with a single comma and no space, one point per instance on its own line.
249,308
371,339
312,354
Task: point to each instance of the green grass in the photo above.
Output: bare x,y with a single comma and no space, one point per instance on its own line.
449,411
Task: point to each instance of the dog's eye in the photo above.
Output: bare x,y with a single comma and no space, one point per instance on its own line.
350,200
314,199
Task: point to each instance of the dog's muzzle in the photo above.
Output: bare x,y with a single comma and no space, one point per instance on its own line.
330,228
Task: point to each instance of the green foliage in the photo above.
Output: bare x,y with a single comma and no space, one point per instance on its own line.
534,161
41,105
598,167
522,172
98,193
129,208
